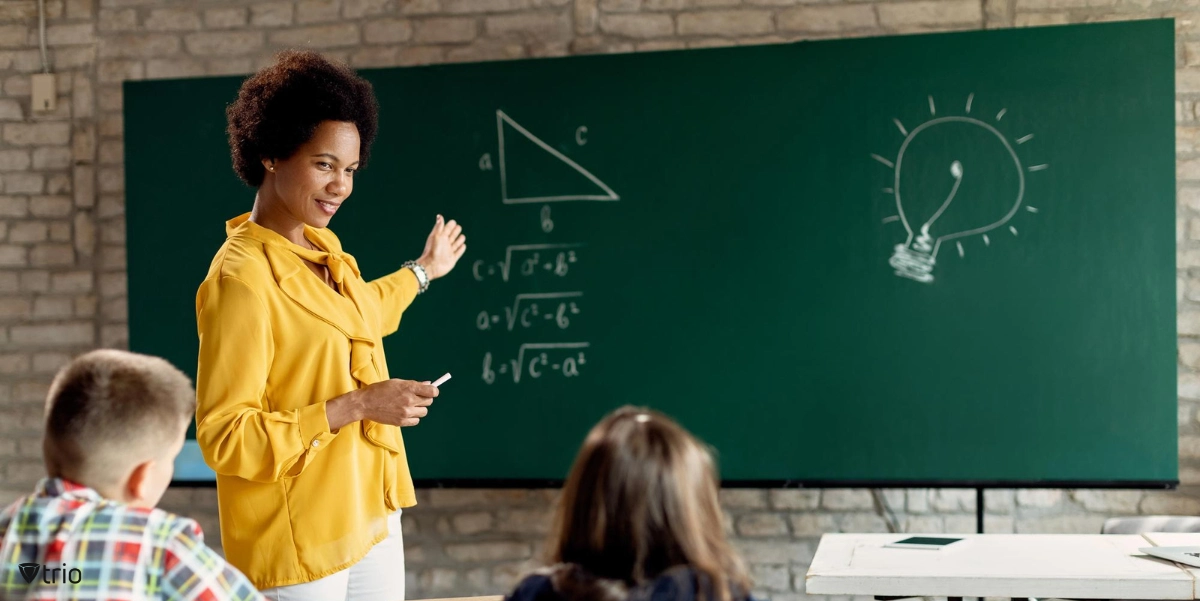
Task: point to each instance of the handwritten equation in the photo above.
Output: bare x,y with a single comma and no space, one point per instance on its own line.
531,309
556,259
544,358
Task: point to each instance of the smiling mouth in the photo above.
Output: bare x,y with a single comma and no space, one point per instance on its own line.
328,207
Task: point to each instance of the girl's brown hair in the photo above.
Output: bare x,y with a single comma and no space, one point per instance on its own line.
642,498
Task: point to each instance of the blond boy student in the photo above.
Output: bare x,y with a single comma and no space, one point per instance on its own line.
114,423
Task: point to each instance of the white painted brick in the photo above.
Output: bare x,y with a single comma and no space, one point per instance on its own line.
812,524
117,71
743,498
85,234
272,14
50,206
317,11
37,134
83,99
49,362
1003,501
324,36
84,177
169,68
24,183
113,232
11,308
755,551
484,6
488,551
1061,524
24,232
18,206
472,523
795,499
74,334
223,43
112,179
540,25
846,498
771,577
375,56
952,499
1039,497
14,36
1189,323
445,30
587,16
112,256
226,18
929,12
390,31
357,9
10,110
114,336
15,160
229,66
172,19
863,522
53,307
525,521
69,35
52,254
71,281
620,6
60,231
52,158
638,26
726,22
80,9
35,281
118,19
826,19
420,7
762,525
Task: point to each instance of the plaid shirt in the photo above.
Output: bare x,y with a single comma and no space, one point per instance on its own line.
107,550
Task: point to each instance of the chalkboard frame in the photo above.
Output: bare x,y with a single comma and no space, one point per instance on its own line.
801,483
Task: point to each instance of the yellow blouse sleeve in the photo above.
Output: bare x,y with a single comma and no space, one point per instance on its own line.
236,432
396,292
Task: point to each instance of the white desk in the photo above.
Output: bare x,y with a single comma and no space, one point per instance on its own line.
1070,566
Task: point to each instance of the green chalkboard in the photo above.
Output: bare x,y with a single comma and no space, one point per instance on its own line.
745,239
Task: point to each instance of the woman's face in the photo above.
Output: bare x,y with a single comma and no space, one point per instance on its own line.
311,184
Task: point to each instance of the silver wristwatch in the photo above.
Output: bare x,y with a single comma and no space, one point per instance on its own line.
422,277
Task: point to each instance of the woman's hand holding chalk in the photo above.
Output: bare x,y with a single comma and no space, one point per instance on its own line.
441,380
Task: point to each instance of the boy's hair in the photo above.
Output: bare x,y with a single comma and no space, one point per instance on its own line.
109,410
641,499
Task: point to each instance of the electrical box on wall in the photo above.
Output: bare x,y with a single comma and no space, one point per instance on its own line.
44,92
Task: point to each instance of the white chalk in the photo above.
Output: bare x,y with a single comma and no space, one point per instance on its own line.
441,380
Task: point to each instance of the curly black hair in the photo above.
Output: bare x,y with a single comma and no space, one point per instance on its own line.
279,108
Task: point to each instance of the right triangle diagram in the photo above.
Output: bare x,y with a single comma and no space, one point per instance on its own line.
533,171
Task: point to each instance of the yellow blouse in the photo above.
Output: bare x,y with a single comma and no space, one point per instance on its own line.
297,501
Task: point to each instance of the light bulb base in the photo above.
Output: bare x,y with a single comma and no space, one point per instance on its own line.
914,264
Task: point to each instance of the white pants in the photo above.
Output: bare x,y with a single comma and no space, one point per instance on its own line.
379,576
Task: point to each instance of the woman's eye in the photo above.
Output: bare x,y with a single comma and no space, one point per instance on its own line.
324,165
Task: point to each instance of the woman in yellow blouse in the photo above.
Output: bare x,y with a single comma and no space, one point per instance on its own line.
297,413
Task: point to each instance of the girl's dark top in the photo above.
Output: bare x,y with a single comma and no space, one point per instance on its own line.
569,582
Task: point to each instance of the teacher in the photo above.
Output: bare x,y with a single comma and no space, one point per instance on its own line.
296,412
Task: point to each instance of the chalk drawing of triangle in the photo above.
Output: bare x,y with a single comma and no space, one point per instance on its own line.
588,187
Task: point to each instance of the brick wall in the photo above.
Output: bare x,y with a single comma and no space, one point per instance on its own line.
62,255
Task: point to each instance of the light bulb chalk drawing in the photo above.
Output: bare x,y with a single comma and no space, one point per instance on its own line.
916,257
